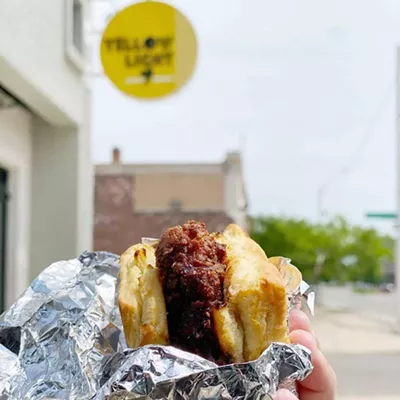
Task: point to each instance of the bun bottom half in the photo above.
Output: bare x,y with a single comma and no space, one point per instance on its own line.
254,313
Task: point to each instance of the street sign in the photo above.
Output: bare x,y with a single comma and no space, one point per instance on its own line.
382,215
148,50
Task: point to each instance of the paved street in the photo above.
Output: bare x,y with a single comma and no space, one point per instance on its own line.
375,305
364,352
372,375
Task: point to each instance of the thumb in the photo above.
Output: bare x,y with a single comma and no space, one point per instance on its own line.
284,394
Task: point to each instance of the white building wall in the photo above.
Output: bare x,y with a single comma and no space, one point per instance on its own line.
62,189
35,68
15,156
33,62
85,182
54,195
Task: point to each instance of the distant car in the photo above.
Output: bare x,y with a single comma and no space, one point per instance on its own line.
387,288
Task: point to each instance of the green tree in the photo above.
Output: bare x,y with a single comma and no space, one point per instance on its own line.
370,249
331,251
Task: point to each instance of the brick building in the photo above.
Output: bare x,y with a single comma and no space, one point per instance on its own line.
143,200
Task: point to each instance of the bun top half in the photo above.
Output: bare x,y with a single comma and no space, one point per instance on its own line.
226,301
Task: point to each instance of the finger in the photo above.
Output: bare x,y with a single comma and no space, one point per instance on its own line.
298,320
322,379
284,394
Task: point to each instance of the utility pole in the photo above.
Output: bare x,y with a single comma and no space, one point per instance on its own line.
396,215
320,256
320,204
397,260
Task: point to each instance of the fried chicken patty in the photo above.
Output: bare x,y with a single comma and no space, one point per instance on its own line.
192,271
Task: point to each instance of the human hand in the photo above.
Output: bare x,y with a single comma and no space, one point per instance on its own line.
321,383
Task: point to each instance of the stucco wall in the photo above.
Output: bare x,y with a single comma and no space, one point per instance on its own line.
33,63
58,200
61,208
50,206
154,192
85,182
15,156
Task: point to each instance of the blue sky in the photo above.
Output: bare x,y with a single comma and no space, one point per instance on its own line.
305,88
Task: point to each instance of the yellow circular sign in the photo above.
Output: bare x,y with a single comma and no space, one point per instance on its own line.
149,50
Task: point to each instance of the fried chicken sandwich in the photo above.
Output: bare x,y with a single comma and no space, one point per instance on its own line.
213,294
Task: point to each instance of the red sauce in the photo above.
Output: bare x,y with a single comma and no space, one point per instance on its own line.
192,269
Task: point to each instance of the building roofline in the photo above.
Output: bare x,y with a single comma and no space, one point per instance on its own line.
162,165
148,169
34,98
119,168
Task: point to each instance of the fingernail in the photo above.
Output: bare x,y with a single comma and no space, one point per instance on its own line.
296,311
298,314
283,394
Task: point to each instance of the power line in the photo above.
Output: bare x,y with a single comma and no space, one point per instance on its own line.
370,131
354,160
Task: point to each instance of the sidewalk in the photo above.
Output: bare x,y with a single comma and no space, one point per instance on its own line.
364,352
342,332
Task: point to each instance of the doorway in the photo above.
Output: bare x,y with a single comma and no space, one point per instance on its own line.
3,233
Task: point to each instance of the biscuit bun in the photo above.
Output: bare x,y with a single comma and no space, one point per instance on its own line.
216,295
140,298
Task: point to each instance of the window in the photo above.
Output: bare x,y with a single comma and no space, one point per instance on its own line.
77,26
75,33
175,205
3,231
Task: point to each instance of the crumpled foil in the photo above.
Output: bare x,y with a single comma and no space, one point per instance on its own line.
156,372
63,339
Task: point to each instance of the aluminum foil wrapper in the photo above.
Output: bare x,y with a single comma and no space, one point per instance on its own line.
156,372
64,335
63,339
